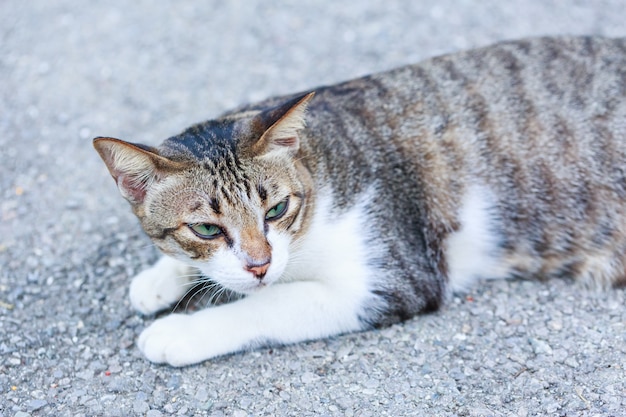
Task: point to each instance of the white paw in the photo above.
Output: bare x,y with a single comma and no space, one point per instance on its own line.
156,289
173,340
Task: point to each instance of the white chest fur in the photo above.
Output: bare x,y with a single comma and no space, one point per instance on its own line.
334,248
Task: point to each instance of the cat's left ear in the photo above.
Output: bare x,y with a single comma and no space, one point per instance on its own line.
280,126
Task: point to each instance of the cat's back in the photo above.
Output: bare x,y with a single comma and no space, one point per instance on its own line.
538,126
514,86
516,114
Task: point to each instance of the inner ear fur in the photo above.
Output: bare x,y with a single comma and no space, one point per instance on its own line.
134,167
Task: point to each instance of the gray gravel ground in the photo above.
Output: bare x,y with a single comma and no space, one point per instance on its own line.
143,71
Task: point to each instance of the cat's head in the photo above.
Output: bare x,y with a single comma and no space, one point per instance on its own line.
229,196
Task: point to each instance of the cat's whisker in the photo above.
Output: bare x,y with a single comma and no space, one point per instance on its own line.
215,290
196,279
146,246
189,296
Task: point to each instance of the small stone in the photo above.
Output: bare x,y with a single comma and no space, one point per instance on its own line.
571,362
308,377
371,383
154,413
555,325
86,375
173,382
552,407
34,405
540,346
246,402
119,384
344,351
140,407
206,405
108,398
202,395
345,402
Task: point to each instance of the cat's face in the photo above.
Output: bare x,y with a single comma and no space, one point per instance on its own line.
228,197
237,233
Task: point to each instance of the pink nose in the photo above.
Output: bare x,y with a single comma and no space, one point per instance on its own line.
259,270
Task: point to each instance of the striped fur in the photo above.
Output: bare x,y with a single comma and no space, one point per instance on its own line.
505,161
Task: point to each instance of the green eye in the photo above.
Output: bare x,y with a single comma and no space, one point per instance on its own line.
205,231
277,211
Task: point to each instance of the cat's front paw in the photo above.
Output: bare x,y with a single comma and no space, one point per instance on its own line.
152,290
174,340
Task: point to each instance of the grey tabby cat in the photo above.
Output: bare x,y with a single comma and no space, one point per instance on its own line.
365,203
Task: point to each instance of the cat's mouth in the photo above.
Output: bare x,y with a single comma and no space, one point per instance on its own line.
247,278
247,289
245,284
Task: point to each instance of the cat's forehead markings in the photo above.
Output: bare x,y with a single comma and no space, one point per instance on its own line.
196,205
211,140
262,192
214,203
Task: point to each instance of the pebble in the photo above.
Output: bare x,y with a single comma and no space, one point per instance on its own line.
202,394
140,406
173,382
540,346
34,405
571,362
555,325
309,377
119,384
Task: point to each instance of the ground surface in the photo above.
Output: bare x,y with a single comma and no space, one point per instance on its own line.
143,71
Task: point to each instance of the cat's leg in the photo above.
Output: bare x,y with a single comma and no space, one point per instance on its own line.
160,286
282,313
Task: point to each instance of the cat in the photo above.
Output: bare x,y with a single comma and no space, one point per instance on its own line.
362,204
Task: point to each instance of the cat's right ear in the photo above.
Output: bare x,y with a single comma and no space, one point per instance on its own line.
278,128
134,167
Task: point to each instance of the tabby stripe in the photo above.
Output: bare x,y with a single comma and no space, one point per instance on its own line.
214,203
164,233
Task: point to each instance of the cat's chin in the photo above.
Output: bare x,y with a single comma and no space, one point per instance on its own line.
246,289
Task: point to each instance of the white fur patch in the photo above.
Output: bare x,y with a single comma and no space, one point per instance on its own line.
159,287
332,242
473,250
322,292
227,269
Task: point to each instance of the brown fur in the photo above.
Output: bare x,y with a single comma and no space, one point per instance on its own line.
541,123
